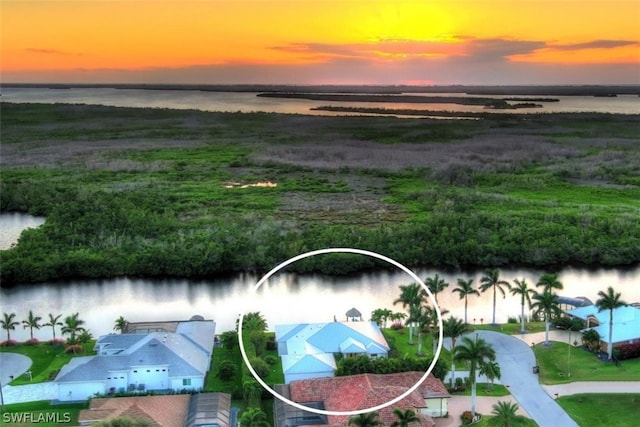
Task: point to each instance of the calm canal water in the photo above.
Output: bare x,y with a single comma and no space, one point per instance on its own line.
285,298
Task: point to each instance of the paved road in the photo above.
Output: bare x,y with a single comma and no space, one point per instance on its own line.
516,361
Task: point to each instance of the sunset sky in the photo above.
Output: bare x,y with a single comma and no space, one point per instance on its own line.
321,41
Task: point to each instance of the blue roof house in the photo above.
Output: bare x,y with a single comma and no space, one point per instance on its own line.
626,323
307,349
141,361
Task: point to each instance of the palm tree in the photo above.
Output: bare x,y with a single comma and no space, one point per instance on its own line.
254,417
370,419
405,417
426,320
549,281
522,288
476,352
253,321
465,288
381,316
491,279
31,322
120,325
546,303
9,324
72,325
84,338
505,415
453,328
609,300
436,284
53,322
411,296
491,370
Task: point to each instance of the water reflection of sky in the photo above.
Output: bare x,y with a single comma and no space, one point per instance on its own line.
287,298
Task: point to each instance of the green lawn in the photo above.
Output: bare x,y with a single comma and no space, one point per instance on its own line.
47,360
511,328
602,410
527,422
482,389
554,365
66,414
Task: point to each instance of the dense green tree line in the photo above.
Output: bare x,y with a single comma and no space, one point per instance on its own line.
101,234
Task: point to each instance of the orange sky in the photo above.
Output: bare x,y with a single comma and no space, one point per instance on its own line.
324,41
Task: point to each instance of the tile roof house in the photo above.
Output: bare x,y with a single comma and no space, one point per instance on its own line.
141,361
626,323
307,349
362,391
181,410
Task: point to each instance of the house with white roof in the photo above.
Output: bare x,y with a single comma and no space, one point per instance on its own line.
307,349
626,323
159,360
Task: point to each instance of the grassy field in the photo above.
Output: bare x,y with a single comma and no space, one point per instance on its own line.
585,366
175,193
602,410
47,360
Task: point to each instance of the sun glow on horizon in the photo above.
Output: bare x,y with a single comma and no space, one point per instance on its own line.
334,36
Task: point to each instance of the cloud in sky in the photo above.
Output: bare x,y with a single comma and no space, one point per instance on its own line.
46,51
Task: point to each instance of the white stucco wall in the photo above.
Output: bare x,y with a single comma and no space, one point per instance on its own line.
197,383
68,392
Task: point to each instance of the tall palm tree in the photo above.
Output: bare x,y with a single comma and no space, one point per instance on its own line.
454,328
465,288
120,324
549,281
72,325
405,417
609,300
476,352
424,317
370,419
31,322
53,322
9,324
491,280
491,370
436,284
522,288
411,297
548,304
505,414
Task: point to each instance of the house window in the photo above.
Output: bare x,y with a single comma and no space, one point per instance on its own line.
148,370
186,381
135,372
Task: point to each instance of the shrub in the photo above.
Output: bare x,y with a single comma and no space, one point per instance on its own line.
628,351
10,343
57,342
32,341
227,370
466,417
512,319
271,359
74,348
229,339
396,326
272,345
260,366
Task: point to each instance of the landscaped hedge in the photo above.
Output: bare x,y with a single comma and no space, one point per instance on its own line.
628,351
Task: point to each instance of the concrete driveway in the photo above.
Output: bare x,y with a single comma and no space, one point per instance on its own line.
516,361
12,364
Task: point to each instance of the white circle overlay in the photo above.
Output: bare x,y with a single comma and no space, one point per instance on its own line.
351,251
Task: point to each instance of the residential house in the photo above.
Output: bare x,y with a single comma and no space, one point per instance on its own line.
130,362
350,393
626,323
178,410
307,349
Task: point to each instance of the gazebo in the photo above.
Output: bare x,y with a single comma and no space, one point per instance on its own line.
354,315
